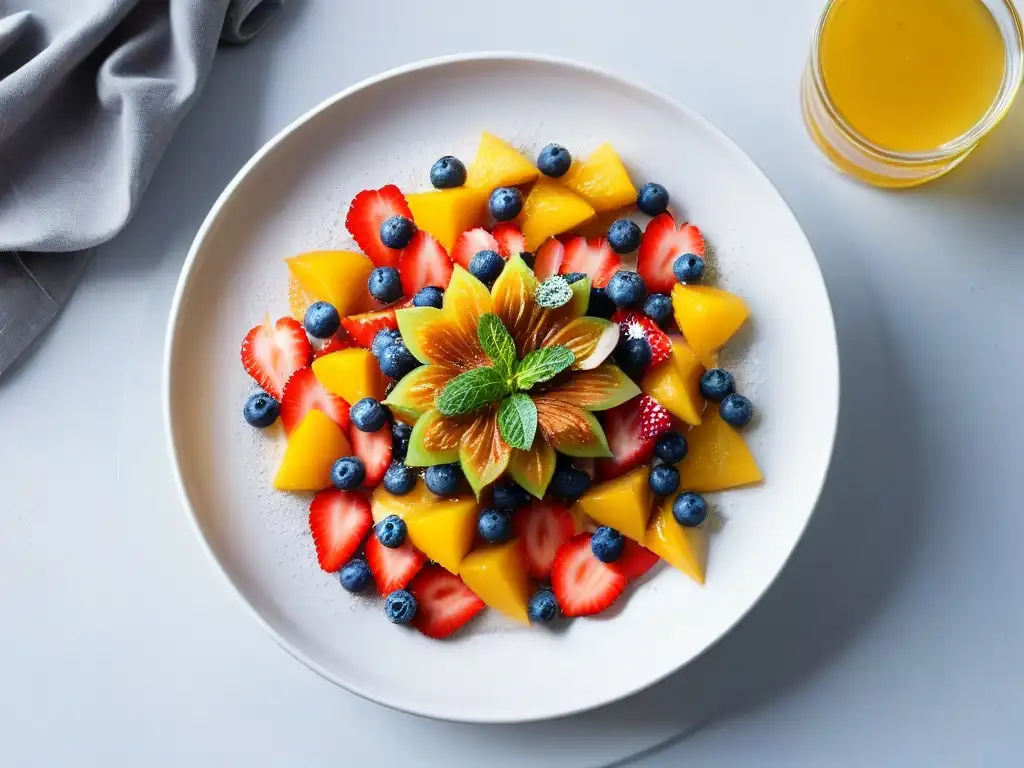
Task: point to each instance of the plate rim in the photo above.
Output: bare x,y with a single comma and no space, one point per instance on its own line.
210,221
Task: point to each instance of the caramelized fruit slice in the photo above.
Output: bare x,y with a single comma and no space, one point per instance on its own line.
313,447
623,504
483,454
602,180
498,576
434,440
415,393
533,469
569,429
499,164
676,383
681,547
718,458
598,390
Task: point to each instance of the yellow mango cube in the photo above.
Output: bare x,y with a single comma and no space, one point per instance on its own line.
623,504
707,316
499,164
550,209
351,374
447,213
676,383
681,547
313,447
384,504
602,180
497,574
337,277
718,458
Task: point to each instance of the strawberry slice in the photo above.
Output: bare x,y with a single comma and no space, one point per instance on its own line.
444,603
339,521
635,560
369,209
630,439
424,262
663,242
634,325
582,584
363,328
393,568
549,258
274,351
339,341
470,243
303,393
374,448
542,529
593,257
510,239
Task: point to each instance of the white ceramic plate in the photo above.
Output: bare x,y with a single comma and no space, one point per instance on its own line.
292,197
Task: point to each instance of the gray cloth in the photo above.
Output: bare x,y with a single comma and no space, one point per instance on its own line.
91,92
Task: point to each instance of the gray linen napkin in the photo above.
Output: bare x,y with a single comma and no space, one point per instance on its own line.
91,92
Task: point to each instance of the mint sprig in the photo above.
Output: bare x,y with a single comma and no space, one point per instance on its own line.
497,343
543,364
471,390
517,421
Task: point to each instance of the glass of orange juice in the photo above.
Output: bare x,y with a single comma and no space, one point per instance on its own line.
898,92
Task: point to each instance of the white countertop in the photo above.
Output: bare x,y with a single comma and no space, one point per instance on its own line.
893,636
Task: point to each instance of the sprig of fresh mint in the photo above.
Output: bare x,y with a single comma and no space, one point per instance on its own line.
497,343
543,364
471,390
517,421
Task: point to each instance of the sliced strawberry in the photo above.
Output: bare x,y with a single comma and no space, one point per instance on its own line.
543,528
339,521
363,328
272,352
374,448
510,239
593,257
654,419
634,325
393,568
369,209
470,243
635,560
624,427
663,242
443,602
424,262
339,341
549,258
582,584
303,393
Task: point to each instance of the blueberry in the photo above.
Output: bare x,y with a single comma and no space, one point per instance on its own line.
367,415
396,232
658,307
528,258
400,607
494,526
688,268
261,410
736,410
385,284
671,448
574,277
624,236
397,361
444,479
633,355
569,483
355,575
391,531
429,296
508,495
485,266
664,479
689,509
400,434
543,606
447,172
626,289
321,320
600,305
385,338
652,199
717,384
399,479
554,160
506,203
348,473
607,544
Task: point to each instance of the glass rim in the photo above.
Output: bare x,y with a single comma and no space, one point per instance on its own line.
1013,70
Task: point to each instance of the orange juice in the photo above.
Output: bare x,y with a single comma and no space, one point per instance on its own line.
911,75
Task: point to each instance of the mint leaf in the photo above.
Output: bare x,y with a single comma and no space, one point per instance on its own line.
543,364
497,343
517,421
471,390
554,292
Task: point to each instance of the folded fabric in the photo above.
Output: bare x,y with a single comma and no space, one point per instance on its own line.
91,92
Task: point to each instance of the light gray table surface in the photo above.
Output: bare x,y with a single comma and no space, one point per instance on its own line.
893,637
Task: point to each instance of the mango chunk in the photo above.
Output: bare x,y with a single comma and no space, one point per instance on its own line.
681,547
337,277
351,374
313,447
676,382
447,213
550,209
499,164
707,316
602,180
718,458
497,574
623,504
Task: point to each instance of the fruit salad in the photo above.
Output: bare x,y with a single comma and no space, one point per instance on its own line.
509,396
